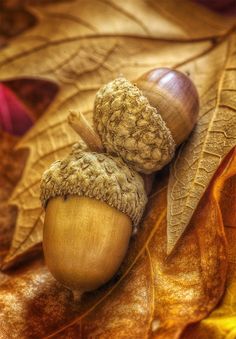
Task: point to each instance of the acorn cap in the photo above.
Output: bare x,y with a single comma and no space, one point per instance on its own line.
96,175
130,127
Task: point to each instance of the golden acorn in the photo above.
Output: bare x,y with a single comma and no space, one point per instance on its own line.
92,203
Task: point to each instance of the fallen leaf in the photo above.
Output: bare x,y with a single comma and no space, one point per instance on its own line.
191,282
152,296
37,94
212,139
15,117
81,54
11,167
221,323
12,161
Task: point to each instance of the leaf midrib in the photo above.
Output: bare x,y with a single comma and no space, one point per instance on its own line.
204,148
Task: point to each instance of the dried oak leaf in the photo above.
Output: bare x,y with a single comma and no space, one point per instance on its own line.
11,167
151,297
82,45
213,137
221,323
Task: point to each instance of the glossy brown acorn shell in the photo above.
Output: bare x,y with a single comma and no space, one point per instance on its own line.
175,97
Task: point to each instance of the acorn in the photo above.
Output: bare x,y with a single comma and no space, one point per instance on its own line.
94,199
93,202
143,122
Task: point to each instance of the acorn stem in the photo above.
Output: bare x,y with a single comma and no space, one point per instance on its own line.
81,126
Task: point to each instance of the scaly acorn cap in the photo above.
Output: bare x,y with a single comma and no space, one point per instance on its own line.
130,127
96,175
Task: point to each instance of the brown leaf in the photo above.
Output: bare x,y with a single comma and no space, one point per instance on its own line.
12,161
151,297
80,54
220,5
11,166
222,321
212,139
36,94
15,18
14,21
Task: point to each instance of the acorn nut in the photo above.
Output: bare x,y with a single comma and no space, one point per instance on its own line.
144,122
92,202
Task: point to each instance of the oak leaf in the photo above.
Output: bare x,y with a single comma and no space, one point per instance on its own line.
213,137
11,167
80,46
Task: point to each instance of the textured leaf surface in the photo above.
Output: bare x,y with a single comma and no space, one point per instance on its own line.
213,137
11,167
151,296
222,322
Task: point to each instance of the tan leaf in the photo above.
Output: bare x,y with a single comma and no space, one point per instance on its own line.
81,45
213,137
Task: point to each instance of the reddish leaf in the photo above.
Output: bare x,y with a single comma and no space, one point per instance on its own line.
37,94
15,117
